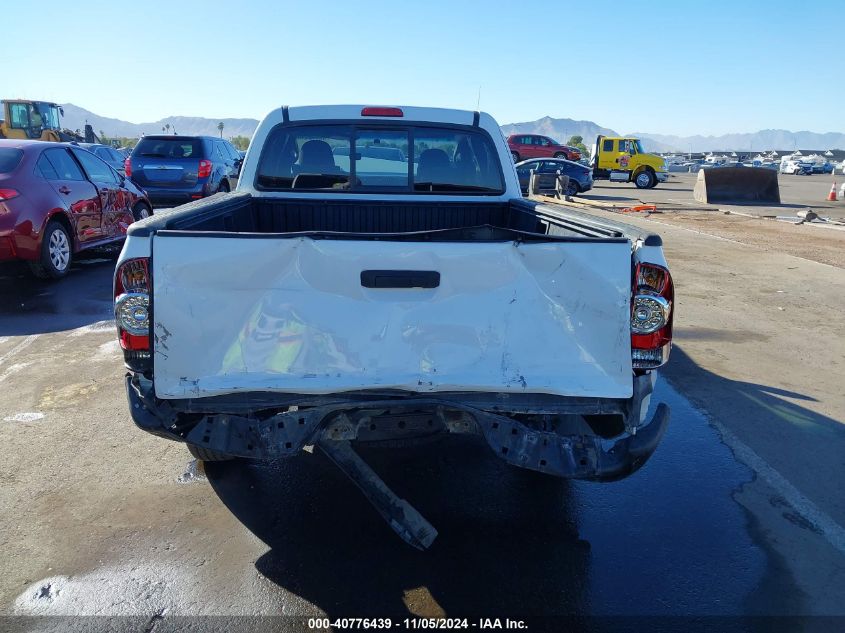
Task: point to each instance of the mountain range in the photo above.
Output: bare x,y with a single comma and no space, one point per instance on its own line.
562,129
76,118
751,142
559,129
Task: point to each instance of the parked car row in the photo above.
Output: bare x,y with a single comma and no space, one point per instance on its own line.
57,199
525,146
177,169
796,167
110,155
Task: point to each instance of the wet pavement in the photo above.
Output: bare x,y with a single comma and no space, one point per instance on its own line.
34,306
100,518
666,540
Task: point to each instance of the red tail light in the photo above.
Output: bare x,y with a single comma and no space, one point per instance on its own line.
131,307
651,316
205,169
8,194
127,167
374,111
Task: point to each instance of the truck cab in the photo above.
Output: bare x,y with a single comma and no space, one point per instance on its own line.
623,159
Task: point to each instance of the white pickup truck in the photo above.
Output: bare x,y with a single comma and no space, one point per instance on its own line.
378,277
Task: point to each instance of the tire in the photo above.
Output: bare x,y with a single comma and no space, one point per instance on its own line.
645,180
207,455
224,186
140,211
573,188
515,157
561,155
56,252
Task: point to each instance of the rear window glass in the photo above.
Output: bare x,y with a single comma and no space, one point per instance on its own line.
9,159
152,147
367,158
381,158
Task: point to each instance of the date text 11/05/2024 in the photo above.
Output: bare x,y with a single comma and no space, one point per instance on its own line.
408,624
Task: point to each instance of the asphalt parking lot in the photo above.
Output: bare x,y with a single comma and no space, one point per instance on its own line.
797,193
739,512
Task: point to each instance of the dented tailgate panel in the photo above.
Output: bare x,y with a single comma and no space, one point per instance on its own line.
236,314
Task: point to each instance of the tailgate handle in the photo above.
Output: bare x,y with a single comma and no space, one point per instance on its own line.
400,278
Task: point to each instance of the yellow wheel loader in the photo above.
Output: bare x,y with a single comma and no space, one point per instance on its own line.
38,120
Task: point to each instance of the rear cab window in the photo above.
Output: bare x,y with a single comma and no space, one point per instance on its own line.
170,147
370,158
10,158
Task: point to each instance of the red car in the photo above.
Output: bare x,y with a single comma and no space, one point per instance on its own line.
525,146
58,199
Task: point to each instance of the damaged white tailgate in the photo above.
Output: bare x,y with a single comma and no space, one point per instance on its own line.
265,313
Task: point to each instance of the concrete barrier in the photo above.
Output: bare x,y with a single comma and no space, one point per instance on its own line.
737,185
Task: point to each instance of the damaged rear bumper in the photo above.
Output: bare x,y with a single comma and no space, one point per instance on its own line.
271,435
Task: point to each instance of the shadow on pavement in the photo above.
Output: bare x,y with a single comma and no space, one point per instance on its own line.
669,540
35,306
750,401
802,445
499,527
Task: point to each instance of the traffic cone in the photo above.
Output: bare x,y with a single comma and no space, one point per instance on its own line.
831,197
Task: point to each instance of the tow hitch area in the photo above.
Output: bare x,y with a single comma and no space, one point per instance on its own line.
553,438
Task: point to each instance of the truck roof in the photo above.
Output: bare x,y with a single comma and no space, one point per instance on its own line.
354,111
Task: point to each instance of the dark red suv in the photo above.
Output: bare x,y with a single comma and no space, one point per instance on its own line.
525,146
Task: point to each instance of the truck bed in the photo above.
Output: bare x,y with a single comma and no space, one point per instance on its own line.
514,284
243,213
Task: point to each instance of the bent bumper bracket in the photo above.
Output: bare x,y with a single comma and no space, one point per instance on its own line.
402,517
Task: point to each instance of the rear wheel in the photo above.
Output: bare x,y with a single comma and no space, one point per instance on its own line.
515,157
56,252
645,180
572,188
224,186
207,455
141,211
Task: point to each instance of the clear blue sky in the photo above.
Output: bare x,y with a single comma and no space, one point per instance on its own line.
679,67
